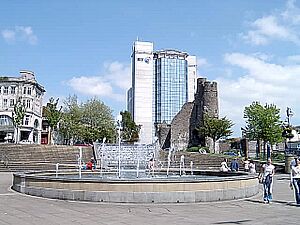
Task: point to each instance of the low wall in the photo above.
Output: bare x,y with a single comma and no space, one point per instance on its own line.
137,191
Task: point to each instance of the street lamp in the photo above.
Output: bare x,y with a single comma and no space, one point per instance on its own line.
119,124
289,114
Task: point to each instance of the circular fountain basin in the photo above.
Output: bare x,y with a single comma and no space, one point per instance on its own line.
203,186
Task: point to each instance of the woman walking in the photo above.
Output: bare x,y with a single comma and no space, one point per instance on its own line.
268,174
295,180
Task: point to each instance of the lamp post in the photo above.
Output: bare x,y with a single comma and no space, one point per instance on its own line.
119,121
289,114
287,133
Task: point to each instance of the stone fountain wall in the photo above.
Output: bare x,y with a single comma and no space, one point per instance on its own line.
130,154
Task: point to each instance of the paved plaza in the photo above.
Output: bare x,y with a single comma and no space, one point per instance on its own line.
16,208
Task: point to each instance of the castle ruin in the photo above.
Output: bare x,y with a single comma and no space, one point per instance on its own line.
182,133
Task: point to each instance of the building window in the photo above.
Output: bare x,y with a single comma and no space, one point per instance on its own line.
5,91
13,90
5,103
24,91
140,59
11,102
26,122
29,91
28,104
0,89
36,124
5,121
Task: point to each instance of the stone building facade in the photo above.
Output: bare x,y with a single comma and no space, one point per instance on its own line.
182,130
26,90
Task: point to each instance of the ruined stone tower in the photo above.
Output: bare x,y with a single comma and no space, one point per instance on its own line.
182,130
206,102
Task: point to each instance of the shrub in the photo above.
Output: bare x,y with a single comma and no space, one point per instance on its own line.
193,149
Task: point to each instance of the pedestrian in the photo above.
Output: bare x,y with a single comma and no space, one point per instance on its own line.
252,167
89,165
234,165
295,180
94,162
224,167
267,173
246,165
151,164
293,162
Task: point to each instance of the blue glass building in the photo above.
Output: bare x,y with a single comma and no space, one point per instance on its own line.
162,82
171,84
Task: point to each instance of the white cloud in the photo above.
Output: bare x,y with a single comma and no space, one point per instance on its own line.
294,58
268,28
281,26
292,13
259,81
8,35
20,33
258,68
113,84
118,74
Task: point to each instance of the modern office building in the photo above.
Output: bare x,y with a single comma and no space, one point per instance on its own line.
162,81
29,93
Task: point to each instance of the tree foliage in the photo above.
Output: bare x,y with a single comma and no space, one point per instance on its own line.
263,123
52,113
97,121
18,116
130,131
89,121
70,125
53,116
215,128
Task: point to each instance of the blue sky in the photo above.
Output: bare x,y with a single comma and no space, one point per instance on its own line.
251,48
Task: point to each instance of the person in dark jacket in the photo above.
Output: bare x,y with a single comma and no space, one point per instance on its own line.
234,165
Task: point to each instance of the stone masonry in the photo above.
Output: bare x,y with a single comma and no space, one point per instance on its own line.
182,130
180,127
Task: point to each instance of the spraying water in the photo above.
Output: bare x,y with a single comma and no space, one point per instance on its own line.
181,167
169,160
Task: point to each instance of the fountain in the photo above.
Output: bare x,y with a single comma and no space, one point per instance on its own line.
131,181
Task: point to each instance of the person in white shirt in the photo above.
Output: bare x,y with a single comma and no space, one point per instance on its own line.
295,180
246,165
252,167
293,162
224,167
268,172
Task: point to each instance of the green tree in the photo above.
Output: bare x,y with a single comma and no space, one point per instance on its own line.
70,124
130,131
18,116
97,121
263,123
53,116
215,128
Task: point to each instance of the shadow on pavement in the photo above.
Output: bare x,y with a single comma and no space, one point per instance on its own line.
274,201
234,222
